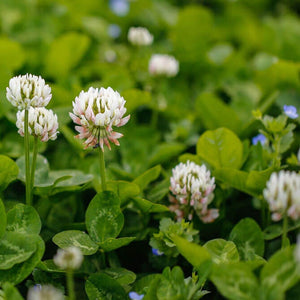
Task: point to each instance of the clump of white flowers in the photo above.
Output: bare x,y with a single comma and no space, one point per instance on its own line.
42,123
68,259
28,90
96,112
139,36
192,188
163,65
283,195
44,292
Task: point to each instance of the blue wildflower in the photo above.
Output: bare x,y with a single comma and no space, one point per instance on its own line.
290,111
260,138
156,252
119,7
135,296
114,31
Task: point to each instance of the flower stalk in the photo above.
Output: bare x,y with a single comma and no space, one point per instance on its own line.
33,165
284,231
102,169
27,162
70,284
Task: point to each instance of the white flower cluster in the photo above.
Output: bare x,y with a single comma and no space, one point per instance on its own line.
28,90
44,292
163,65
97,111
68,259
139,36
42,123
283,195
192,187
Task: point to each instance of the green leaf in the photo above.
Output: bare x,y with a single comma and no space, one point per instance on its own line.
24,219
65,53
10,292
124,189
14,248
221,148
219,53
147,206
235,281
248,238
164,152
251,183
214,113
41,176
222,251
121,275
104,218
2,218
281,270
75,238
8,172
195,254
150,175
103,287
19,272
112,244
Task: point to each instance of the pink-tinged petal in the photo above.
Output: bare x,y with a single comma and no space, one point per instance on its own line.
124,121
101,144
115,135
107,143
75,119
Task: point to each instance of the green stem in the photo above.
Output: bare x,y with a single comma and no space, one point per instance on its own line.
263,213
33,164
102,169
284,230
70,285
27,162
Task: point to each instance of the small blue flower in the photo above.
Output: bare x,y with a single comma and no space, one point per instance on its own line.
259,138
119,7
114,31
135,296
290,111
157,252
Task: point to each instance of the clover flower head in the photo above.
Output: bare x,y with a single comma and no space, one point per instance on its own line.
44,292
163,65
28,90
283,195
135,296
68,259
42,123
260,138
192,187
96,112
290,111
139,36
156,252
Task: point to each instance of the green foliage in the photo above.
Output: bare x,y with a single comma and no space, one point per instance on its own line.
3,219
249,239
163,241
9,171
104,219
221,148
77,239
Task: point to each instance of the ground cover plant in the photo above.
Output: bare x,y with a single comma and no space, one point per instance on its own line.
149,149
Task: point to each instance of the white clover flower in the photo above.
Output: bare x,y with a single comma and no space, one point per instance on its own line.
97,111
192,186
28,90
163,65
283,194
42,123
44,292
68,259
139,36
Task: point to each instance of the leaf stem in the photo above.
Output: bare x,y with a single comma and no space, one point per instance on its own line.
70,284
27,162
284,230
102,169
33,165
